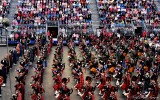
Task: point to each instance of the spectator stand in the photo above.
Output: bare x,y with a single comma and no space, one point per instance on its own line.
122,13
52,14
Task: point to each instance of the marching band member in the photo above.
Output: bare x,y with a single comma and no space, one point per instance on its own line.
126,82
153,89
64,91
88,90
80,82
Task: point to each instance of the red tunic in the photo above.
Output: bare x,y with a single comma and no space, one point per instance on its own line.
153,94
37,97
126,83
19,96
80,83
89,89
58,83
64,96
100,87
107,93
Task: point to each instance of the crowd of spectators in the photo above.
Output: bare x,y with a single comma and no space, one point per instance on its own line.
31,14
38,12
4,7
126,11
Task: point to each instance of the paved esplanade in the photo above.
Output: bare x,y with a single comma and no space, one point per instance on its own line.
48,80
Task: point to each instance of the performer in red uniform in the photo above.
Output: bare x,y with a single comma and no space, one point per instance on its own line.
80,83
20,89
132,89
58,83
89,90
107,88
1,82
102,83
37,96
64,91
112,95
126,82
38,88
154,89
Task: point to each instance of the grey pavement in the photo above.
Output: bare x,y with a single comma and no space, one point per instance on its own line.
48,81
9,89
67,73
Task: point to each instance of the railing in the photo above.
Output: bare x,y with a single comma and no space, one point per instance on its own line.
79,29
152,28
28,28
87,28
3,40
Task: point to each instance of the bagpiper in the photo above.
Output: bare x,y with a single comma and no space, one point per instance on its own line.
88,90
132,89
64,91
153,89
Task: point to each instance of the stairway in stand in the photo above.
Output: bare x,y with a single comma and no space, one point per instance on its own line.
95,15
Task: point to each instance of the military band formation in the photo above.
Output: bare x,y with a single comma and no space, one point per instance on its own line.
131,64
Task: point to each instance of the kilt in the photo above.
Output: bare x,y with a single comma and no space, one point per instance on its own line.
100,87
79,86
124,86
56,86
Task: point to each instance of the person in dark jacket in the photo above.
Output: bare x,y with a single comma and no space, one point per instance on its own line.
14,56
4,72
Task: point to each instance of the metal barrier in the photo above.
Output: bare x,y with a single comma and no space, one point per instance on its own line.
152,28
27,28
79,29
